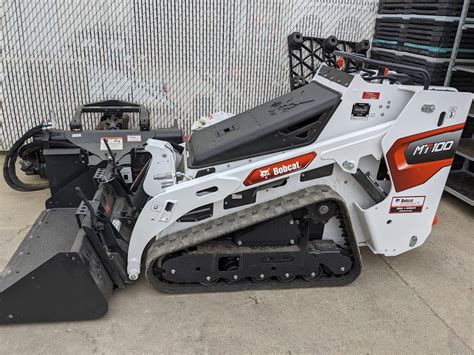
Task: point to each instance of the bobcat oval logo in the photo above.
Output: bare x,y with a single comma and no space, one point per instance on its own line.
281,168
264,173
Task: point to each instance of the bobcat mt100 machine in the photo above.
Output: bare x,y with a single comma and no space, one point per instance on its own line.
280,196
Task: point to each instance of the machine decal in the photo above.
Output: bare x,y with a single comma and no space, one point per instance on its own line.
407,204
441,146
360,111
134,138
371,95
278,169
115,143
413,160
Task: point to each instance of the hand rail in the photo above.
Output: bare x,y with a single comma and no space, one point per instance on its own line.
378,63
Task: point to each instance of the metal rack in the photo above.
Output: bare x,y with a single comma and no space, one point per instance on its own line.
461,181
461,178
464,24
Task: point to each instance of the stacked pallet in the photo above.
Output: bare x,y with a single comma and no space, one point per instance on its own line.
422,33
424,7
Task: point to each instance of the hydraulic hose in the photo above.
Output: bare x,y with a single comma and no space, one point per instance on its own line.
9,165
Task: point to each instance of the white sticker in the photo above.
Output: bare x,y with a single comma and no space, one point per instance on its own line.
117,224
115,143
134,138
452,112
156,207
407,204
126,173
236,196
359,118
76,135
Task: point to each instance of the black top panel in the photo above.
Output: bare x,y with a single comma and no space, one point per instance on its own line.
292,120
335,75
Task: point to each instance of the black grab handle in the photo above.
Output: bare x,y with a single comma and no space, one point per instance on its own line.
378,63
111,106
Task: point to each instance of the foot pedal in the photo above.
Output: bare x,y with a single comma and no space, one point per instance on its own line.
55,274
370,186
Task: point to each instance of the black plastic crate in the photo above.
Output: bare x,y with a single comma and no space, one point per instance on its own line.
422,36
426,7
420,30
436,70
422,49
468,131
307,53
436,52
460,80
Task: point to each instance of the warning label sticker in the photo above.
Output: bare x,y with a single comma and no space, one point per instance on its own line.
371,95
407,204
134,138
115,143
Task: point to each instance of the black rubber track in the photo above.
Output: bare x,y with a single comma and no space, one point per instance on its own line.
247,284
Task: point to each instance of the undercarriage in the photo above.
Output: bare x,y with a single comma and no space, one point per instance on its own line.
248,251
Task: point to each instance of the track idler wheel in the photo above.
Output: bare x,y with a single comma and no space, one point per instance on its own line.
209,281
260,279
315,275
286,278
234,280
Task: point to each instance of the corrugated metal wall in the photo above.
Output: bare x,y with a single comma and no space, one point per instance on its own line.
182,58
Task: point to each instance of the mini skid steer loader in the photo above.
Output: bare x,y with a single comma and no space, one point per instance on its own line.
279,196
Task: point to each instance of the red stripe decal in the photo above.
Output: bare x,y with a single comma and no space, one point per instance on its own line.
405,175
281,168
